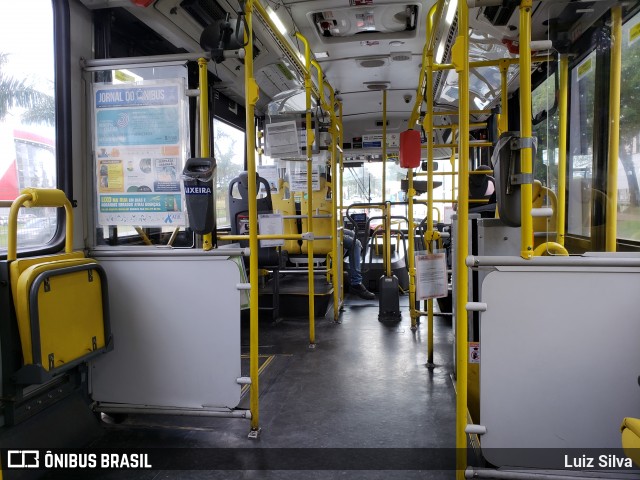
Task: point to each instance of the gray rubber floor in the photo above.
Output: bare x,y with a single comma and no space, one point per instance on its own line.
359,403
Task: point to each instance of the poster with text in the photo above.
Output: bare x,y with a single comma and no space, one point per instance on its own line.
140,143
431,275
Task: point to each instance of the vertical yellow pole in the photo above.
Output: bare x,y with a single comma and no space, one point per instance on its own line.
614,129
526,132
251,94
203,80
384,146
503,126
462,67
341,216
412,253
310,139
563,120
429,238
387,238
336,251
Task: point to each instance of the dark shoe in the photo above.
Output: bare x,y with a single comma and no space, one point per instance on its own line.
362,292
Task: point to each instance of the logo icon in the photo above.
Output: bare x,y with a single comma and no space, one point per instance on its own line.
23,459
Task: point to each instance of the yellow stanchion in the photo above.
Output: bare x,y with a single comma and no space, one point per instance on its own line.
526,132
460,56
429,237
384,145
203,80
310,140
503,124
563,120
251,95
614,129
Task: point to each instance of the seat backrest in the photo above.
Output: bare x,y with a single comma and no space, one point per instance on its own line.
239,202
60,300
482,186
322,225
284,203
239,214
506,162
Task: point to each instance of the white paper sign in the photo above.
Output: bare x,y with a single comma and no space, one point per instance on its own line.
298,177
431,276
270,174
271,224
282,140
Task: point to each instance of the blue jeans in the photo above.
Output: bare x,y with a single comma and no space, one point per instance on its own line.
354,250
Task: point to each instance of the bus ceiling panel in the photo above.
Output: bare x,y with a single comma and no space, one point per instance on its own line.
355,75
341,30
181,22
561,21
363,102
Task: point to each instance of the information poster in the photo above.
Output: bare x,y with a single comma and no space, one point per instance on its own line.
298,177
270,174
140,142
431,276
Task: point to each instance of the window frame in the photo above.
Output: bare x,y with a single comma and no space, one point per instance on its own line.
62,125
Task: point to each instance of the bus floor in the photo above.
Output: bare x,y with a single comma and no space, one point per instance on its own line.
364,386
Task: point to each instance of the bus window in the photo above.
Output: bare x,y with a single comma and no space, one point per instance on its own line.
545,128
27,117
583,78
228,145
629,156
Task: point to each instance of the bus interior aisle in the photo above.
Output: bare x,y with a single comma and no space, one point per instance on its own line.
365,387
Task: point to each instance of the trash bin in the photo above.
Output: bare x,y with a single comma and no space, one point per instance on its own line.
198,174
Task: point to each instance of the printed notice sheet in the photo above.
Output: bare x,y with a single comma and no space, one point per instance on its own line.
139,144
282,139
271,224
298,177
431,276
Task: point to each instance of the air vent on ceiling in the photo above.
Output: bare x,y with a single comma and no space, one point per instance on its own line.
371,62
499,15
400,57
379,123
376,85
205,12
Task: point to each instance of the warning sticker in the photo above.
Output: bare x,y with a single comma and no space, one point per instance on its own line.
474,352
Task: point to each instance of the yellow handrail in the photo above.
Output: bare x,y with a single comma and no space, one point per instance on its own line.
526,152
203,80
461,59
614,129
563,119
38,197
384,145
251,95
503,125
310,139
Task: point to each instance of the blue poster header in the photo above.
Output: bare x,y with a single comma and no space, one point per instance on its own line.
136,96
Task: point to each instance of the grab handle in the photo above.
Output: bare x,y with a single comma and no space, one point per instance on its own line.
38,197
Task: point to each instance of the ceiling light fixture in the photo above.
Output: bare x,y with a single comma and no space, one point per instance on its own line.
275,19
451,11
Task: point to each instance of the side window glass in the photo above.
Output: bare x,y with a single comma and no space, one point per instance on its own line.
629,156
27,117
583,81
